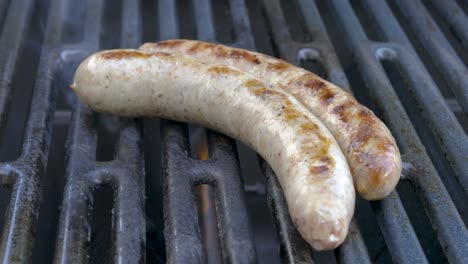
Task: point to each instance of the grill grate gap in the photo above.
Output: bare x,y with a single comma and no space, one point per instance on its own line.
5,197
186,19
108,131
463,5
148,11
420,222
445,171
101,226
52,193
17,110
155,243
295,21
223,21
367,21
448,33
371,233
208,223
108,128
314,66
111,21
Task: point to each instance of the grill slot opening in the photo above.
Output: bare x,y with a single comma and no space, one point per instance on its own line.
155,243
264,234
448,32
207,220
108,131
420,222
425,57
17,109
367,22
223,21
185,15
148,11
295,21
101,225
205,198
5,197
371,233
314,65
463,5
111,20
397,78
52,193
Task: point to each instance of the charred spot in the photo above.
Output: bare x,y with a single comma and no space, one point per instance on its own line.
253,83
313,83
364,113
326,160
309,127
243,54
198,46
124,54
326,96
365,132
319,169
219,69
291,113
170,43
278,66
339,110
263,91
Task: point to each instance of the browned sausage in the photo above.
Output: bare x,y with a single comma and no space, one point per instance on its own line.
310,166
368,145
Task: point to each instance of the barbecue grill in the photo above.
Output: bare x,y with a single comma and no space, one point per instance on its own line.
76,186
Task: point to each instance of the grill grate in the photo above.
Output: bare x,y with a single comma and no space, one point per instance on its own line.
390,73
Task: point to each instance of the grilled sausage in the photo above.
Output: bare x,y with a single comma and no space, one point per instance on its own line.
368,145
310,166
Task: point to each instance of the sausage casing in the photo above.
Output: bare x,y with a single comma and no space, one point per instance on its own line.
371,151
310,166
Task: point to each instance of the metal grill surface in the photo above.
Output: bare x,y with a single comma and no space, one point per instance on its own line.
405,59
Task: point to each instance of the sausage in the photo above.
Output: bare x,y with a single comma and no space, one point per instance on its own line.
308,162
372,153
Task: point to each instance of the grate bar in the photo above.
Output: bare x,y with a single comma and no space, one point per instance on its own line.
322,51
242,28
397,230
168,22
204,20
181,229
84,174
353,249
222,171
131,27
293,248
437,112
434,41
455,18
427,177
24,173
235,235
322,44
13,34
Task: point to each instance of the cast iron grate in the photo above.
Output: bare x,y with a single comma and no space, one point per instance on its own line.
390,53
